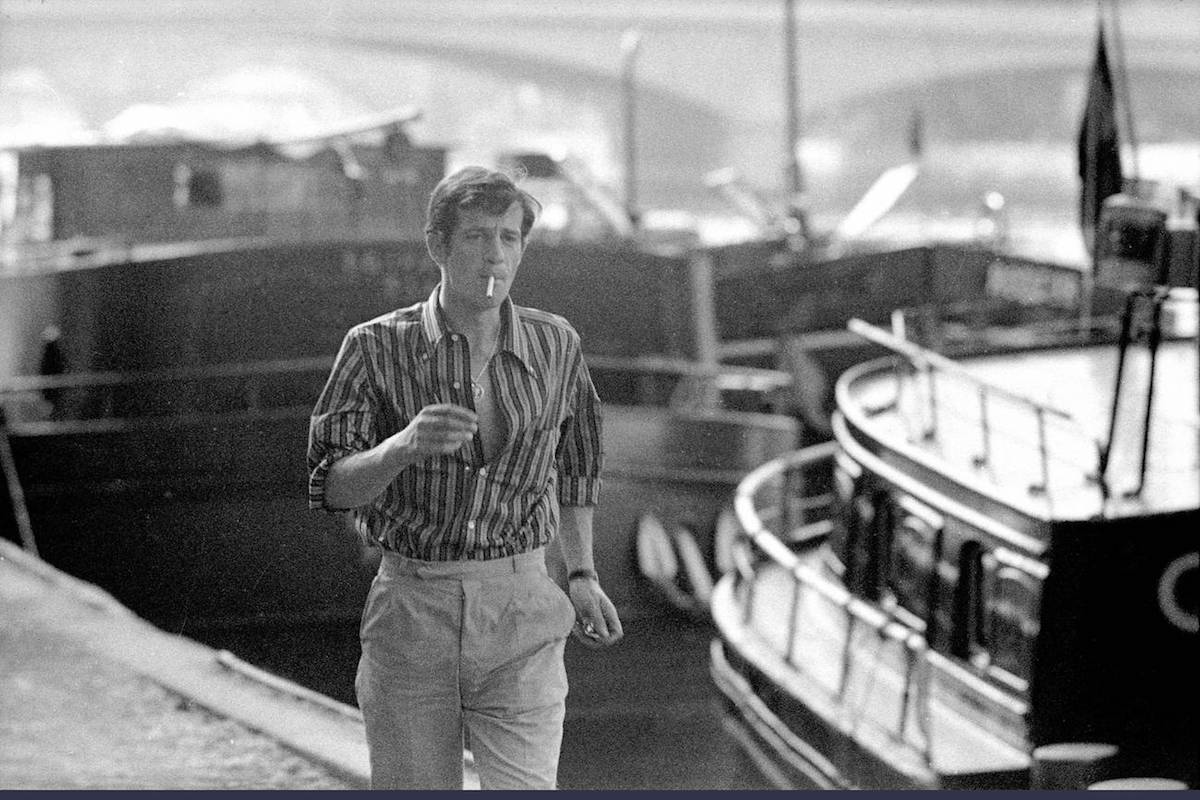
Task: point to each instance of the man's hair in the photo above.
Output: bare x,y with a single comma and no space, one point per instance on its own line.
476,188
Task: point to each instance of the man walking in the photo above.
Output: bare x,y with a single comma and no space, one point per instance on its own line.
464,432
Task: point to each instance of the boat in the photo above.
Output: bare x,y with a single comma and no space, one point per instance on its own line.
160,360
159,357
997,587
178,419
783,299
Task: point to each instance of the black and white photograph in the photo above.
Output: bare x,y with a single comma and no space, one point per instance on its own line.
646,395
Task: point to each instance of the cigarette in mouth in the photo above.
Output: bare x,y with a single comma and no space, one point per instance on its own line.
491,285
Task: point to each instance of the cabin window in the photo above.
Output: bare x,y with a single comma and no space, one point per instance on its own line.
197,187
916,551
33,210
9,178
969,634
1013,607
856,518
868,521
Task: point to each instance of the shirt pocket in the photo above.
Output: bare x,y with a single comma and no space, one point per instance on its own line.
528,408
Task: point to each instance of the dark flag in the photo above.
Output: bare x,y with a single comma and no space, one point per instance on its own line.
1099,150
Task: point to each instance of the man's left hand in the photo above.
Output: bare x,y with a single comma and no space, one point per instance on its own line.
597,623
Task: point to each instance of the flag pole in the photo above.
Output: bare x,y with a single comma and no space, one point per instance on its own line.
1122,78
1099,140
1089,164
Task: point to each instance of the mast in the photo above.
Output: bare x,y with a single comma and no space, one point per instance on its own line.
791,100
631,42
795,182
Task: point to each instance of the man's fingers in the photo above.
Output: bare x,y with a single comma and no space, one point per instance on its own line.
599,625
613,624
444,427
608,624
451,413
444,441
440,429
586,633
434,432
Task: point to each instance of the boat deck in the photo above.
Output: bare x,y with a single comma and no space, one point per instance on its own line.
999,450
867,692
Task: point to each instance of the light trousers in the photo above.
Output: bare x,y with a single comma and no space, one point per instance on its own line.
473,646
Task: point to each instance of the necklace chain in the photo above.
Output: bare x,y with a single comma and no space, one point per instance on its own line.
477,387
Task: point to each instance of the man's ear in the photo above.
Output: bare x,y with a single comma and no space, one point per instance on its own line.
437,247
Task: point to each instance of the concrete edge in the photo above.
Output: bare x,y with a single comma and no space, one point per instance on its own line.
323,731
316,727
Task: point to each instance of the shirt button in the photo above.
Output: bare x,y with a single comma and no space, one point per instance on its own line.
471,525
483,472
454,337
456,385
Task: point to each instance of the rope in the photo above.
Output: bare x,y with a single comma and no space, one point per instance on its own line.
15,493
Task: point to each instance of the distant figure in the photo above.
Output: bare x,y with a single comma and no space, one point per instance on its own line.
464,431
53,362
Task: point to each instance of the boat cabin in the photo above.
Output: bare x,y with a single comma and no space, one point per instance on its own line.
371,183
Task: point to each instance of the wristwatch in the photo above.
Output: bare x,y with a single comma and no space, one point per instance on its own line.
590,574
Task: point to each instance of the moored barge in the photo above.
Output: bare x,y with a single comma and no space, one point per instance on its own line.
158,367
157,379
999,588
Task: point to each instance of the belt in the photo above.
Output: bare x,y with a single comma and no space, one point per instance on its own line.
396,564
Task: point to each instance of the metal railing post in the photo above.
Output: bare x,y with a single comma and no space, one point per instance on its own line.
253,392
910,665
931,363
785,503
793,619
985,456
847,649
931,428
745,573
1043,452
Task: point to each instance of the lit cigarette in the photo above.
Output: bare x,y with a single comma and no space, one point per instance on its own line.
491,285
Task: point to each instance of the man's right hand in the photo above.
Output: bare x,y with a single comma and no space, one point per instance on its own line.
436,430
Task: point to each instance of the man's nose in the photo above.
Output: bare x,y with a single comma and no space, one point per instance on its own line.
493,250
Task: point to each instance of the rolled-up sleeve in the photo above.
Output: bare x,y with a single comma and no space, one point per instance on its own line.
580,455
343,420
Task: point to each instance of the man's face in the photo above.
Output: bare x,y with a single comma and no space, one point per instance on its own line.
482,246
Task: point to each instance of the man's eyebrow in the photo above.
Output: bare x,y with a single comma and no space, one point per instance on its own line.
482,227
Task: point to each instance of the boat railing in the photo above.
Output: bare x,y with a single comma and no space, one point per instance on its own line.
247,387
978,327
21,384
1057,435
255,387
761,497
724,377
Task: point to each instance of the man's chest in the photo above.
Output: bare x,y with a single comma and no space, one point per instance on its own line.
511,399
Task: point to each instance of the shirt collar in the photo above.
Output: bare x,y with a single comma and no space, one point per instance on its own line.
512,335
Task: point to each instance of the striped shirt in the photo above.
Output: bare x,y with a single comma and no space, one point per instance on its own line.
459,506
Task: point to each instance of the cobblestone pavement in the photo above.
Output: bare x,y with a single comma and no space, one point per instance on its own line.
73,716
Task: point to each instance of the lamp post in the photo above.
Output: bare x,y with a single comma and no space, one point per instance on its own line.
631,42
